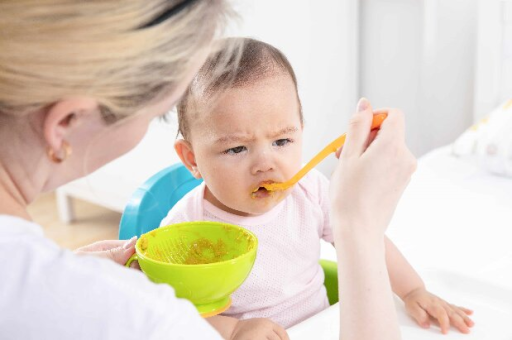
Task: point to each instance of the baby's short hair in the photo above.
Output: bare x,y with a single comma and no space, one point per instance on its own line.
237,62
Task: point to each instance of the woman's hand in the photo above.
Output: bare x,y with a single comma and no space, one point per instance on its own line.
373,171
116,250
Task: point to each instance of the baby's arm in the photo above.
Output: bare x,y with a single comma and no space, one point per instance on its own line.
259,328
402,275
420,303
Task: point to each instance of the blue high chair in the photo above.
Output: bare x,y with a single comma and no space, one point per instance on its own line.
152,201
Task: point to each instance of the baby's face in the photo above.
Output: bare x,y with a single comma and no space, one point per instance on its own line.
253,135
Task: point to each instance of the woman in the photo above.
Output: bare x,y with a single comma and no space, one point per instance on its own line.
79,83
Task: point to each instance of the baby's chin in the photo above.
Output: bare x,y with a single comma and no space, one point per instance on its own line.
255,205
263,203
252,208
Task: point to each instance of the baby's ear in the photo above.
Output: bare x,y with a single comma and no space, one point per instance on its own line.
186,153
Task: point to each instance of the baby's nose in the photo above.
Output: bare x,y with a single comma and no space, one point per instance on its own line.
263,164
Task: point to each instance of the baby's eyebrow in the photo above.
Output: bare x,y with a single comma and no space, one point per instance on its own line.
231,139
284,131
245,139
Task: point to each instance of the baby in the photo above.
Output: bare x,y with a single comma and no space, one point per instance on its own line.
241,128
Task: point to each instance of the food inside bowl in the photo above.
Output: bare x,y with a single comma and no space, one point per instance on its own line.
204,251
200,250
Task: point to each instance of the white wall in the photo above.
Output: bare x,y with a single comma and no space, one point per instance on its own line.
413,54
494,56
419,56
319,39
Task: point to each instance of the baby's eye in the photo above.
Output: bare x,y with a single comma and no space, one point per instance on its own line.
235,150
282,142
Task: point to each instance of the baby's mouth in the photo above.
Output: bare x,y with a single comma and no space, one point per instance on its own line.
261,191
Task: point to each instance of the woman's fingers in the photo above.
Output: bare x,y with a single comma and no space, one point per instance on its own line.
338,152
359,129
106,245
392,129
371,137
116,250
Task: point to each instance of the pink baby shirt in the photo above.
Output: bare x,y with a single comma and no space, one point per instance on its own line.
286,282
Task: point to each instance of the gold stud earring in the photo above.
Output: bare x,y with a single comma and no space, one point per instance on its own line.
65,151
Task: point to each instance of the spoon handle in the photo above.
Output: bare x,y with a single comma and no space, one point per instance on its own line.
332,147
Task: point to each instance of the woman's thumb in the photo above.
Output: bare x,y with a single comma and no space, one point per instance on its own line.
359,128
362,105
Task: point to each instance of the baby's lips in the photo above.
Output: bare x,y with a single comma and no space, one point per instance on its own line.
261,184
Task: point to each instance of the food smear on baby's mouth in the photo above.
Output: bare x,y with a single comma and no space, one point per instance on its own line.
261,191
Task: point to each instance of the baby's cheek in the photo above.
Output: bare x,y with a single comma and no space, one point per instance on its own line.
233,194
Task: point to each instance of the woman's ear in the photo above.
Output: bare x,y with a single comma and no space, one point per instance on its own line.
186,153
62,117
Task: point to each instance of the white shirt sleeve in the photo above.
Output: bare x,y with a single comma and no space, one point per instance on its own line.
50,293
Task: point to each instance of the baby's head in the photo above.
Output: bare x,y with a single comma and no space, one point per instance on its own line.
242,127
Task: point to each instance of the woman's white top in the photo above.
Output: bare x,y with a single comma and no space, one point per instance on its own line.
47,292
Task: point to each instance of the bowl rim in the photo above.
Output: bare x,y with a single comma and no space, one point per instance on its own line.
202,265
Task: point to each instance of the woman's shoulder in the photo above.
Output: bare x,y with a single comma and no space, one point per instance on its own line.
13,225
49,285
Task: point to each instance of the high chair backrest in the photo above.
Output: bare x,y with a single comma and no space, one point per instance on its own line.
152,200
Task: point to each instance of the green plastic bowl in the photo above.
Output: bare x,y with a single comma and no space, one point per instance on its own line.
205,262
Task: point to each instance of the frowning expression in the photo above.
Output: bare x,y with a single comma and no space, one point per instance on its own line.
253,135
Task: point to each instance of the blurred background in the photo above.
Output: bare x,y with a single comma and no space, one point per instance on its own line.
446,64
417,55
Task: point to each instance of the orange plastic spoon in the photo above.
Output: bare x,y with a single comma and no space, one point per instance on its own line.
332,147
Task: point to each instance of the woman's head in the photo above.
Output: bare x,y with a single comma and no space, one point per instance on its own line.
242,127
68,69
115,52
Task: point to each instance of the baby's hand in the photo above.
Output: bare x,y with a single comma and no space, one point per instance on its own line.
258,329
422,305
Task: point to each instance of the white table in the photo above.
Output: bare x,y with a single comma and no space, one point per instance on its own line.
454,225
492,305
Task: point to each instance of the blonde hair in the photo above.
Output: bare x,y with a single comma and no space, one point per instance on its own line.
122,53
236,62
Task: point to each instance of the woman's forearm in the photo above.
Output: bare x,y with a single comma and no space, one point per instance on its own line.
367,310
